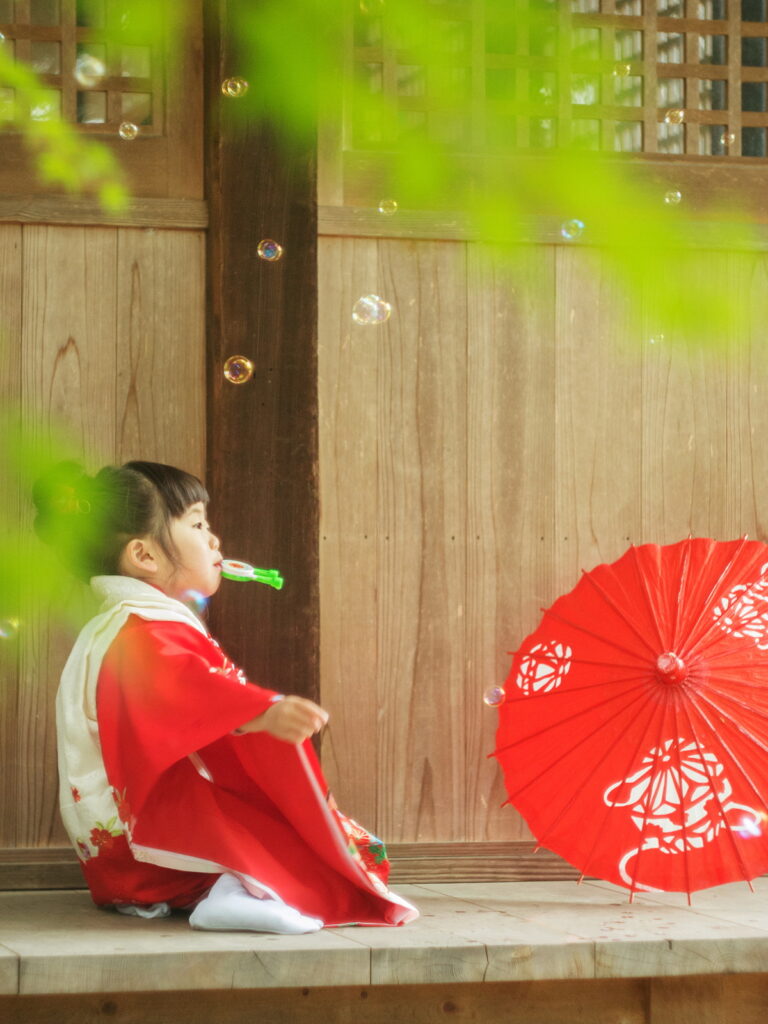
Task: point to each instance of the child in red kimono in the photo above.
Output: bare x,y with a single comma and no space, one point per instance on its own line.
182,784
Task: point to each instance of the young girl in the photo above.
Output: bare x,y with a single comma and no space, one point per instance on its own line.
181,783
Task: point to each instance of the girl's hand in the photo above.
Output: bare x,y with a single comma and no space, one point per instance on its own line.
292,719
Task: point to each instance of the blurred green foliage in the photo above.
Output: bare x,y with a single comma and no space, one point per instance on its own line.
295,56
63,158
31,574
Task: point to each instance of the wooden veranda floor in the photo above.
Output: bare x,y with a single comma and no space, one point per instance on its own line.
552,952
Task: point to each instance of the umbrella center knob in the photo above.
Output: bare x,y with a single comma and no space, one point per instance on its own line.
670,667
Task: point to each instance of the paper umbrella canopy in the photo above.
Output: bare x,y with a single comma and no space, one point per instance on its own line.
633,736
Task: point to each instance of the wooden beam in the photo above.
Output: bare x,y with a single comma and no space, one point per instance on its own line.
262,435
58,868
139,213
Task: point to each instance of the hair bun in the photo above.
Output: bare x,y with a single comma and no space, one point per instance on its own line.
59,495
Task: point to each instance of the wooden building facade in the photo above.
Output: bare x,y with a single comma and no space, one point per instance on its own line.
425,485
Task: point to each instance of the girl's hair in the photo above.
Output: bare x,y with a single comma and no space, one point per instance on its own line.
90,519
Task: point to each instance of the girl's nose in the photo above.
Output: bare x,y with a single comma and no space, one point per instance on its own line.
214,542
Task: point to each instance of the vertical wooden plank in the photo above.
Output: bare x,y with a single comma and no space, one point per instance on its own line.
597,417
10,393
511,488
704,467
160,385
750,453
393,472
262,436
422,542
348,472
68,374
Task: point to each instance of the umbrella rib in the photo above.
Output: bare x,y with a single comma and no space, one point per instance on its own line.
646,593
647,802
578,660
734,844
713,636
620,612
571,718
560,754
697,643
758,742
589,632
685,830
739,645
680,591
738,725
719,583
742,683
607,808
557,693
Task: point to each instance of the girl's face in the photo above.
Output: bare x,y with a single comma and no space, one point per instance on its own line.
198,561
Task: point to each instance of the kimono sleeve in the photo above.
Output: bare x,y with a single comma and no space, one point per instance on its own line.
165,690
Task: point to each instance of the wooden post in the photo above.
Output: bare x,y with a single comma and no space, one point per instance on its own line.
262,435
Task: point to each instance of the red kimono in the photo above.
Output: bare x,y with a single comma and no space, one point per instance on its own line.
192,798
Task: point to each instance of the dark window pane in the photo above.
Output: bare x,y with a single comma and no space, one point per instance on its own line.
753,141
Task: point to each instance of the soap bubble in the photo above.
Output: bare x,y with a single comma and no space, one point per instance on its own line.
673,197
9,629
89,70
388,207
656,339
727,139
494,696
234,87
675,116
621,70
371,309
750,827
571,229
195,601
238,369
270,250
128,131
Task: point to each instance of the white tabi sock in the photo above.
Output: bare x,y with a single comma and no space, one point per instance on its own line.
230,907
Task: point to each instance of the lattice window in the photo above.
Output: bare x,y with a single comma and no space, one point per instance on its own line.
89,80
668,77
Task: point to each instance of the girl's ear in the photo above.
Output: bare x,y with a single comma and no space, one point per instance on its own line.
138,558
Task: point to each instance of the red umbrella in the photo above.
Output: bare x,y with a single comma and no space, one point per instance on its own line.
633,735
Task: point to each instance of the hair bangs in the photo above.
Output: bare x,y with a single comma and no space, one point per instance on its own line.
178,489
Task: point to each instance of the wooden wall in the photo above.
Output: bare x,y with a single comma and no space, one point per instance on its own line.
103,335
498,434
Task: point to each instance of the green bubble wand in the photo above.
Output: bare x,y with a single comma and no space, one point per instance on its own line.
232,569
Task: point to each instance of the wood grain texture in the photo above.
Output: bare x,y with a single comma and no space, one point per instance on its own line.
11,277
506,428
262,438
109,365
80,210
160,380
510,861
710,1000
560,1002
434,458
68,372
